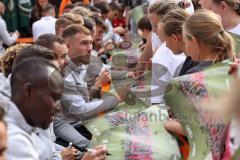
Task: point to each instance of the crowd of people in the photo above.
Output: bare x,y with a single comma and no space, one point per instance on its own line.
49,87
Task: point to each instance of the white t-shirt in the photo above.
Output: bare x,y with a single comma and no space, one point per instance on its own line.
235,30
43,26
164,67
156,42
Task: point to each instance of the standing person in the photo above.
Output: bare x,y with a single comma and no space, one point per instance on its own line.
229,10
5,37
172,27
36,12
153,42
164,63
207,43
46,24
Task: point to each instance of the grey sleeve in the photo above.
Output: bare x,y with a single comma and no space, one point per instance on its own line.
5,36
67,132
74,104
118,75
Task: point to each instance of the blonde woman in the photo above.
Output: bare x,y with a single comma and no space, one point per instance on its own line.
207,43
205,39
172,29
229,10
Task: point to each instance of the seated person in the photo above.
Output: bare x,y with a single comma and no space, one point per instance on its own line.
46,24
22,117
65,20
101,28
58,45
172,30
164,63
77,100
120,20
43,138
109,12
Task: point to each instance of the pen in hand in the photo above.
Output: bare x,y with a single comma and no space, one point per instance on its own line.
93,150
85,149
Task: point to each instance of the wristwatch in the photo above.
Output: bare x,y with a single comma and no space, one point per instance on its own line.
79,155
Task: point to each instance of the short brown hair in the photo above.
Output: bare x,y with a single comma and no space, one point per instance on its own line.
48,40
89,23
67,19
103,6
74,29
144,23
82,11
99,22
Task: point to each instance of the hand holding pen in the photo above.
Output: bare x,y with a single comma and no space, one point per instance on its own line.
98,153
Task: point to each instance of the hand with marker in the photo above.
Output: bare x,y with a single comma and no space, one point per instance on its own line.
69,153
98,153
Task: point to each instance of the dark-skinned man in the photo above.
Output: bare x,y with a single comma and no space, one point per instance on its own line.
44,144
35,98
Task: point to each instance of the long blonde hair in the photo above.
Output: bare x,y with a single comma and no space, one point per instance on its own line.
206,27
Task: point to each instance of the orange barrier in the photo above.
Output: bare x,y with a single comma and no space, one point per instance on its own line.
183,146
86,2
106,87
25,40
62,6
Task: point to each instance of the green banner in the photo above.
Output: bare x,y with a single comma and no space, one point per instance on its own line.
188,97
133,129
10,15
135,136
